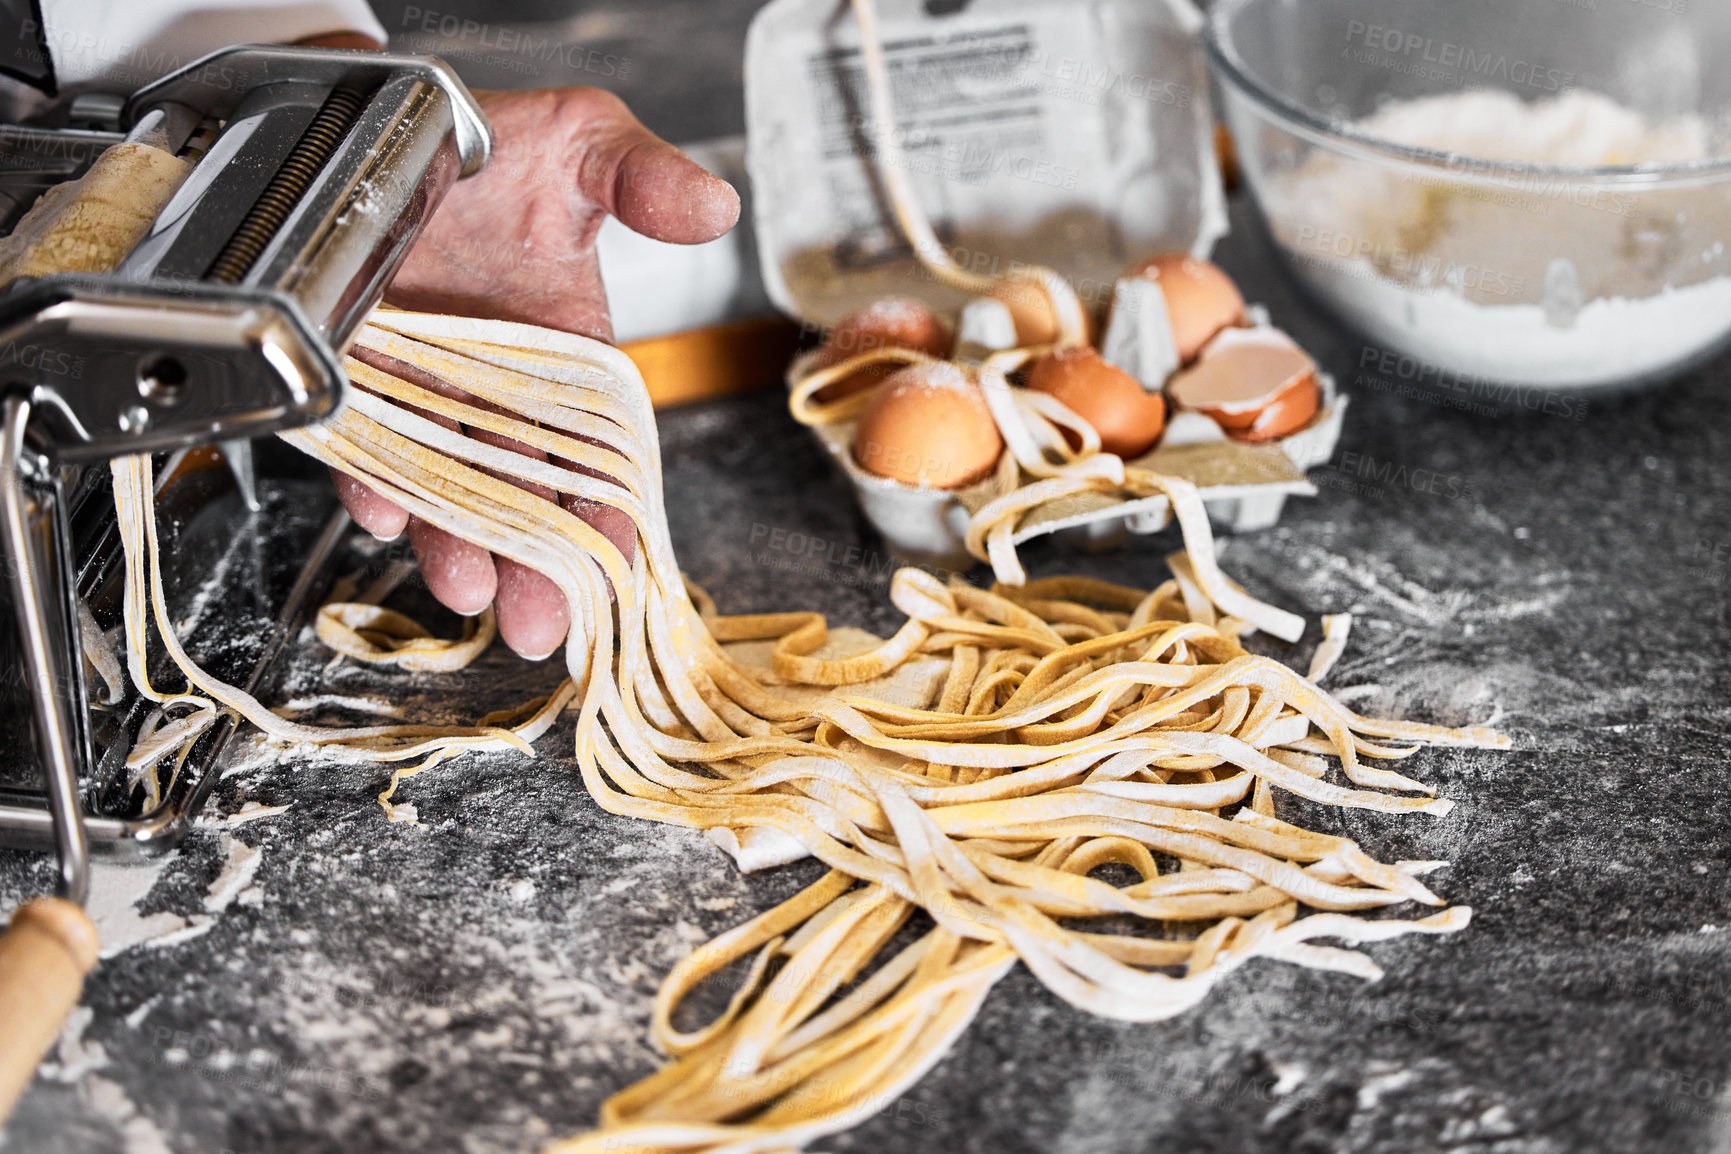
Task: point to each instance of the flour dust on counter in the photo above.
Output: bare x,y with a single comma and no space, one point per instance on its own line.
1585,1011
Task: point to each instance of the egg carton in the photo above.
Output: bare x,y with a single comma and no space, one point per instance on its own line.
1092,181
1243,486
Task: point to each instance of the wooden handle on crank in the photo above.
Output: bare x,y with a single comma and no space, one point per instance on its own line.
43,959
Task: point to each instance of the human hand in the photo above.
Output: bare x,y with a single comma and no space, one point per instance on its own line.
517,242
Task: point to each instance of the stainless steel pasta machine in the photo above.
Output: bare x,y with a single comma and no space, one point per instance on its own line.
313,171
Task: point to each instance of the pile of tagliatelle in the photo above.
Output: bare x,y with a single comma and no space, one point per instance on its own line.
1054,729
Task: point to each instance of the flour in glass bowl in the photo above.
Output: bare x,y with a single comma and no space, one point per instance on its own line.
1537,278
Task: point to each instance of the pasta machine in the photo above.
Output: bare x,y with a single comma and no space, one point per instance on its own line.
312,173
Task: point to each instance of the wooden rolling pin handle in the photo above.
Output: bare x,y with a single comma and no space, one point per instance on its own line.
44,956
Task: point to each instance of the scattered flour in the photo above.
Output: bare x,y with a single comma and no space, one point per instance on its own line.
1389,587
116,890
253,811
375,705
73,1057
234,884
1371,1090
108,1100
135,1019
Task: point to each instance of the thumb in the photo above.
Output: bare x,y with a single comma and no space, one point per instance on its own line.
665,195
651,186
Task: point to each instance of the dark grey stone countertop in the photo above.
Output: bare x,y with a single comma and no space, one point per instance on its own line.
480,981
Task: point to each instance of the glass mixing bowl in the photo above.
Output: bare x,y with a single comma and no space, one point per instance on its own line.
1533,192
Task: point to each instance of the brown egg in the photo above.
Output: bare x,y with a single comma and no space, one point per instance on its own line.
890,323
1128,417
928,426
1200,299
1256,384
1031,308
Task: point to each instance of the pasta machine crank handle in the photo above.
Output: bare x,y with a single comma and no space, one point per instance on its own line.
44,956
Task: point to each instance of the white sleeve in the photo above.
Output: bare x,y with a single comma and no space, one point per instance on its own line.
120,45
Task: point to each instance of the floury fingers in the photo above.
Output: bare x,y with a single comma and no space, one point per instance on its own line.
972,772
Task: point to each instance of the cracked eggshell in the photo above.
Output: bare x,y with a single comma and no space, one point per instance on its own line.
1201,299
1256,384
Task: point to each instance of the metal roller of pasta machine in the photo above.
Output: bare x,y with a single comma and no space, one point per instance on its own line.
313,171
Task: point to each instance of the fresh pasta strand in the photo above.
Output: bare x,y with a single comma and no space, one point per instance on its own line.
973,772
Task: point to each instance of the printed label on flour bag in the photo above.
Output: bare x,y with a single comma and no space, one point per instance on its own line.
1071,135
